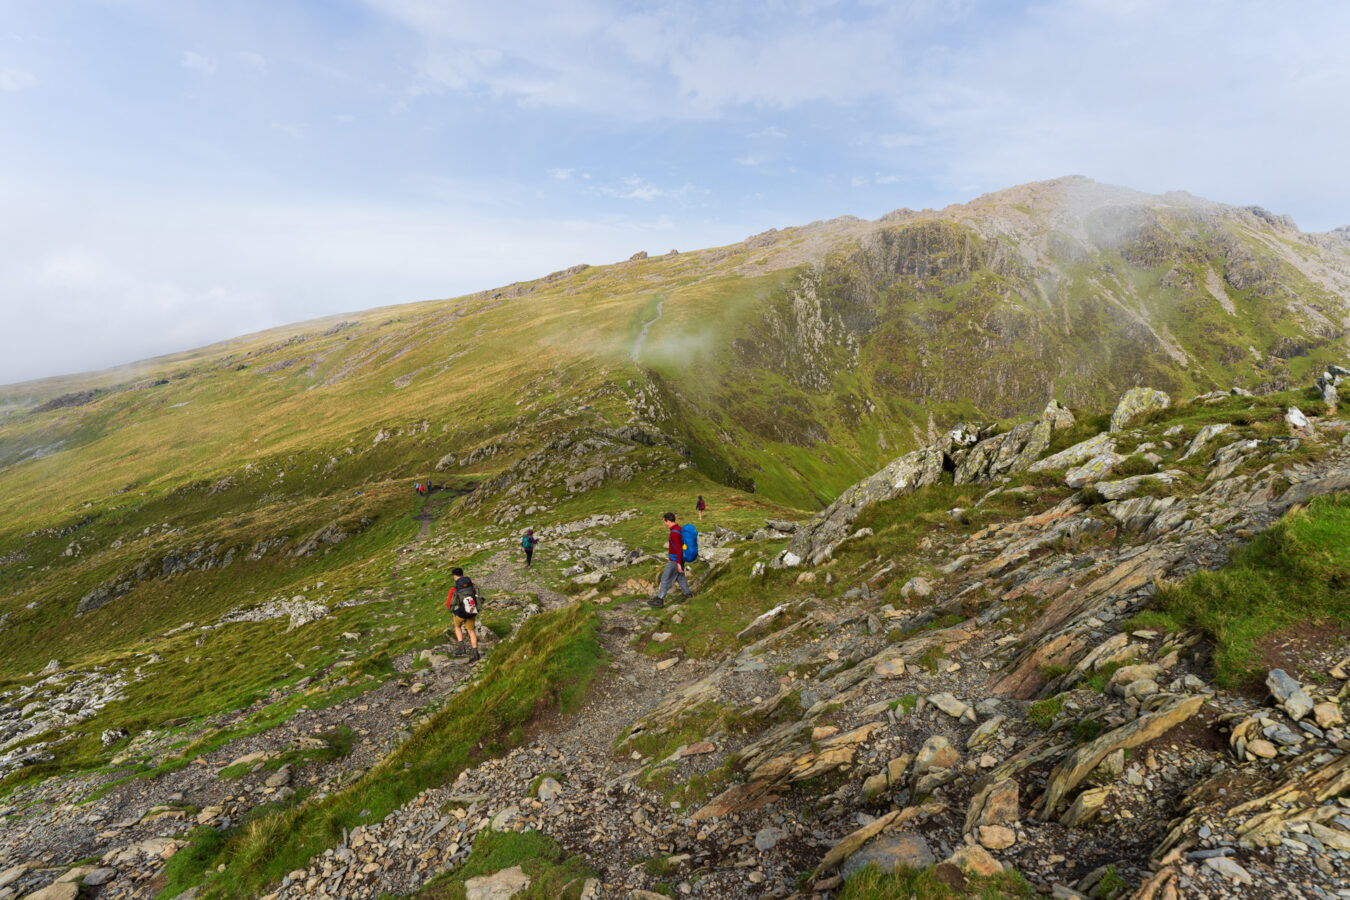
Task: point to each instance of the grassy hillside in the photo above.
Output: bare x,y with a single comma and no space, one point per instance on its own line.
767,376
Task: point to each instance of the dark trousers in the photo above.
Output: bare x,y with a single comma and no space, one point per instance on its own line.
529,556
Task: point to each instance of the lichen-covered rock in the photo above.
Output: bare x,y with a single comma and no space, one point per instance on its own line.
1202,437
975,860
1072,456
1135,403
995,804
1085,807
1124,487
917,587
936,753
1094,469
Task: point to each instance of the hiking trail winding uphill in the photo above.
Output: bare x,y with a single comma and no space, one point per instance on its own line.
999,709
646,326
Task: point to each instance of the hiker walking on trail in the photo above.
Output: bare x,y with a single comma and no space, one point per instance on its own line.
676,554
701,506
527,544
463,605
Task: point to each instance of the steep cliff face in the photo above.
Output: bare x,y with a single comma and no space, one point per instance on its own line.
1066,289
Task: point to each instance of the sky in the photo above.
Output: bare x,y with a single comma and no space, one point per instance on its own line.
176,172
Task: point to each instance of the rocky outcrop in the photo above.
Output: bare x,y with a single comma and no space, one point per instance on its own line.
815,541
297,610
972,455
1068,774
578,461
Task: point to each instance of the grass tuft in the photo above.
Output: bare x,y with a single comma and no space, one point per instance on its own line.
1297,572
934,883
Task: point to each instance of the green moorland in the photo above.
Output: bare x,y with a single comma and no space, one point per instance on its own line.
279,466
792,364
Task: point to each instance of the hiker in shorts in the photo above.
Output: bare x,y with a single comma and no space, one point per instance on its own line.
463,597
527,544
674,571
701,507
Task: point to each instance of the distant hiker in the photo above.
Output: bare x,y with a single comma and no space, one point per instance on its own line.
527,544
701,507
463,605
676,557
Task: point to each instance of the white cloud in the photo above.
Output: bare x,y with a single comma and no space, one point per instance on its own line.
751,160
886,179
196,62
560,174
656,62
255,61
293,130
635,188
773,131
898,141
16,79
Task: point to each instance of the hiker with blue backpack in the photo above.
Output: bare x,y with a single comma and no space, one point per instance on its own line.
681,548
527,543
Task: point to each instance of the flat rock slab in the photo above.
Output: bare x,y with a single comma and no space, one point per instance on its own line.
890,852
60,891
501,885
1080,763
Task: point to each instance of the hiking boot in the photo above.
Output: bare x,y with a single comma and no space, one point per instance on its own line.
655,602
473,654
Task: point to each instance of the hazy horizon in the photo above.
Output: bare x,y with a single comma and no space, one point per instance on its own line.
185,174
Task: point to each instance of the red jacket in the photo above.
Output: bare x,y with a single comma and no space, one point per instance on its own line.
675,549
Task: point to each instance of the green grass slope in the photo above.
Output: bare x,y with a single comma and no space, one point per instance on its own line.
767,376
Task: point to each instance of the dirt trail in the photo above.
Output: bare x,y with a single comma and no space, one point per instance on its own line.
425,531
506,572
646,326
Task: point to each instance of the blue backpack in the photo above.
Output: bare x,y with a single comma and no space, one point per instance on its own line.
689,534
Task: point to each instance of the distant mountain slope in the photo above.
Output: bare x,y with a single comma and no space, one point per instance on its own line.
767,375
793,363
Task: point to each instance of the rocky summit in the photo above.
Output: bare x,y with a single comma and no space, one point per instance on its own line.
948,637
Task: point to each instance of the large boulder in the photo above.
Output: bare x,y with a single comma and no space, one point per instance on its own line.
1135,403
